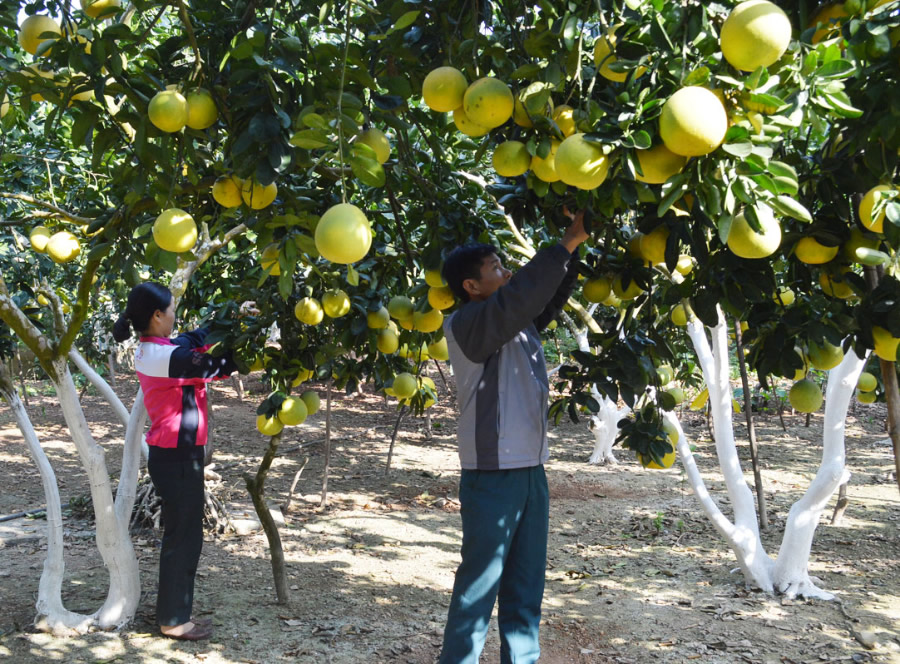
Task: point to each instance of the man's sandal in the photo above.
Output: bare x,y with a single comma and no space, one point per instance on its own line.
195,633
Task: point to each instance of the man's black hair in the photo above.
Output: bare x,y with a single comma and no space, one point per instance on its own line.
463,263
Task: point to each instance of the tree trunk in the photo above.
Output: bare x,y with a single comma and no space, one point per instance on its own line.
113,541
327,468
605,427
102,386
791,573
751,429
52,615
256,488
387,466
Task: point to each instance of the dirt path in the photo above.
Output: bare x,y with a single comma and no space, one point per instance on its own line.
636,574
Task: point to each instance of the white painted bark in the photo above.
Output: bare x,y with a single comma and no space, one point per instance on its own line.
50,610
134,449
791,573
102,386
605,427
743,532
113,541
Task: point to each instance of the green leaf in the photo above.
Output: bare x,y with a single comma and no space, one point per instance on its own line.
352,276
368,171
310,139
525,71
836,69
697,77
842,105
738,149
405,21
787,206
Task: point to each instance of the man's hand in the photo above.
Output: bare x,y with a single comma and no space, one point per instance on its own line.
575,233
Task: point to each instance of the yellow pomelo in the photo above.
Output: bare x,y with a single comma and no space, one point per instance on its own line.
404,385
376,139
309,311
226,191
443,89
94,8
511,158
269,426
581,163
835,284
666,374
564,117
258,196
488,102
378,320
428,321
604,56
626,293
466,125
4,106
335,303
811,251
824,357
520,114
805,396
400,307
42,300
867,382
174,230
885,344
438,350
434,278
668,460
343,234
679,315
302,376
785,296
292,411
269,259
653,245
168,111
387,342
866,397
596,289
755,34
31,30
693,122
38,237
858,240
63,247
441,297
684,265
828,22
677,394
201,109
747,243
311,399
867,204
804,368
34,72
545,168
659,164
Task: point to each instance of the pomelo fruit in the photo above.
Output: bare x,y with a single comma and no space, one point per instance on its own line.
63,247
867,204
441,297
404,385
387,341
400,307
604,56
693,122
32,28
269,426
174,230
168,111
488,102
268,259
94,8
659,163
309,311
39,237
805,396
468,126
438,350
867,382
544,168
755,34
866,397
378,320
292,411
343,234
511,158
626,293
378,141
434,278
885,344
596,289
443,89
564,117
226,191
335,303
581,163
653,245
824,357
201,109
258,196
812,252
311,399
678,315
428,321
745,242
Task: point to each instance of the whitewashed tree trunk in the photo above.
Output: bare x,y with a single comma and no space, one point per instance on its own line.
605,427
789,572
49,603
113,539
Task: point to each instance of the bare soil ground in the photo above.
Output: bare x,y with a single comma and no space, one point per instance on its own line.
636,574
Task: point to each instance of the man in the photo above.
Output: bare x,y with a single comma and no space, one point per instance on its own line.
503,393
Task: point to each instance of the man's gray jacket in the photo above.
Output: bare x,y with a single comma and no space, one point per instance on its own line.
501,377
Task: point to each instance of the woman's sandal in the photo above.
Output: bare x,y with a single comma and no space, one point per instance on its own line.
196,633
202,622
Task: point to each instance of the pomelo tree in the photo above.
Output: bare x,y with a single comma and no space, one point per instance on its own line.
692,138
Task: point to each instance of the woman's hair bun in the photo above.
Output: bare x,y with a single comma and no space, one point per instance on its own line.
122,328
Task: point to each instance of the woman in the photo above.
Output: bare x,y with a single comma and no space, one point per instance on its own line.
173,374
